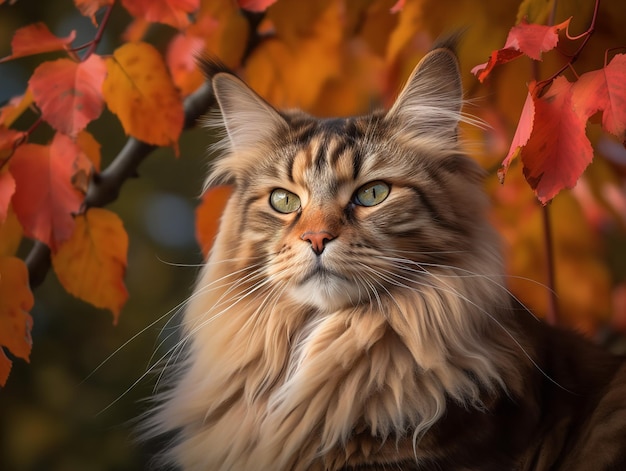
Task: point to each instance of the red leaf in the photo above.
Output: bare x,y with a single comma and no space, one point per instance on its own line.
69,93
558,150
522,133
90,7
255,5
7,188
181,57
171,12
45,198
524,38
35,39
604,90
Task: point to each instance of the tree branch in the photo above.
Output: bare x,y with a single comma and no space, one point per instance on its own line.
105,186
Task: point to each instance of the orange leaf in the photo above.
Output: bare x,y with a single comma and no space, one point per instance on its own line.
139,90
10,234
558,150
92,263
91,149
14,109
208,215
524,38
171,12
69,93
16,300
45,198
35,39
255,5
90,7
604,90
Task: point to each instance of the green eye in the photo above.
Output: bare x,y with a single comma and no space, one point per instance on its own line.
372,193
284,201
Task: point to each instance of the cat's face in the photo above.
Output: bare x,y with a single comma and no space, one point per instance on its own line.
341,212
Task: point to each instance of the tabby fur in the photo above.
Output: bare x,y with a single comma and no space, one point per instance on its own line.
343,336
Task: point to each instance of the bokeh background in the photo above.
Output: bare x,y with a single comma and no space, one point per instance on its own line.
75,405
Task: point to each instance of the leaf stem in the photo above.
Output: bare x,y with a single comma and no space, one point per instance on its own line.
586,35
93,44
552,316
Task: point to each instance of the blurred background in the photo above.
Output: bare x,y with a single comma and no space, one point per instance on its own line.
62,412
74,407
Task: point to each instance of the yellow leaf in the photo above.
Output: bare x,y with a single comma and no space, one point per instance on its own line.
10,234
92,263
16,300
139,90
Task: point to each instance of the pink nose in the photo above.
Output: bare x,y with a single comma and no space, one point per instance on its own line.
317,240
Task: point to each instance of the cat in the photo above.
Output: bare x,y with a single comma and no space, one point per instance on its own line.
353,314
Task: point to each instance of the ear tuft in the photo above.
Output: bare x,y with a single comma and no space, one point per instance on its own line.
430,102
250,121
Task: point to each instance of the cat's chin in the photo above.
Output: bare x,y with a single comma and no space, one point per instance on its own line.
327,293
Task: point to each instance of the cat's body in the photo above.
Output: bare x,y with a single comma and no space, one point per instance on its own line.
353,315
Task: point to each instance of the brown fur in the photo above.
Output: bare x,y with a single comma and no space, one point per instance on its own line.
397,346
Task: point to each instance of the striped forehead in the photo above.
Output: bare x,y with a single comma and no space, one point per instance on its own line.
330,152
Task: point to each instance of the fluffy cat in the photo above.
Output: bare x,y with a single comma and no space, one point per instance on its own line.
352,314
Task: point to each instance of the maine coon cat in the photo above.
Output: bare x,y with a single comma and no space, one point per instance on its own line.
353,315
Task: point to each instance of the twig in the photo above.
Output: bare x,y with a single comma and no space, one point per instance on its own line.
552,316
105,186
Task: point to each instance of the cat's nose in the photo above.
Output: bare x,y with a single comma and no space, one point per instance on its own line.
317,240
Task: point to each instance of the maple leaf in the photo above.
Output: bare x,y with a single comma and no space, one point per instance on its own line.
208,214
171,12
16,300
139,90
90,7
604,90
36,39
92,263
45,198
523,39
69,93
255,5
557,151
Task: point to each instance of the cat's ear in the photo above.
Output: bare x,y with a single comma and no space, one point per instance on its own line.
249,120
430,102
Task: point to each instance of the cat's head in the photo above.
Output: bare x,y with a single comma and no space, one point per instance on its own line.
340,212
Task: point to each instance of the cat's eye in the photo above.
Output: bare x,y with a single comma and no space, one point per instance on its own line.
284,201
372,193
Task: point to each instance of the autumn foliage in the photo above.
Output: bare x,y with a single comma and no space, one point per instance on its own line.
328,57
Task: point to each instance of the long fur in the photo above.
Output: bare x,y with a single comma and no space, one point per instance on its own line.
284,365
